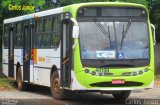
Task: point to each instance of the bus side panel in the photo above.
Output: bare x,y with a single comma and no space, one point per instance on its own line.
5,62
46,58
75,84
42,76
18,57
31,72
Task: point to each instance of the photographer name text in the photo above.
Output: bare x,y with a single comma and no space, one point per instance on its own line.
20,8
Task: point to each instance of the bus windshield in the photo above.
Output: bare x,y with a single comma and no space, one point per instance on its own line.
114,39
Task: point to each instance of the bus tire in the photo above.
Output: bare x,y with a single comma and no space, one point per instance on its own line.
122,96
20,84
56,91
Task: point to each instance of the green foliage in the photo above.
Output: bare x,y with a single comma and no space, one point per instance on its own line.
6,83
155,17
143,2
48,5
157,77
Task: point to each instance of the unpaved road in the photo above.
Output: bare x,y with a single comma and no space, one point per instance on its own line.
38,95
45,94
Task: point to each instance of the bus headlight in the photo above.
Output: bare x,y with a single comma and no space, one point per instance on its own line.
134,73
93,72
146,70
140,72
86,71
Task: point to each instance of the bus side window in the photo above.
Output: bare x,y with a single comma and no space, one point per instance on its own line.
47,31
43,32
56,31
35,31
38,33
6,37
19,36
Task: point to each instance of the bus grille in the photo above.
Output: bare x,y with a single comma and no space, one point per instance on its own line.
109,84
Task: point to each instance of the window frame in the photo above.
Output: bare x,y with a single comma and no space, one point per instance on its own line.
45,31
19,34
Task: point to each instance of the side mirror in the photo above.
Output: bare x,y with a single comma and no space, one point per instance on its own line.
75,31
153,33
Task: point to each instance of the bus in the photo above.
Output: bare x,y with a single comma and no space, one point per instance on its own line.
105,47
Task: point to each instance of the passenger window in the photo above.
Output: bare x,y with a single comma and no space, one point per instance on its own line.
6,37
56,31
47,32
19,36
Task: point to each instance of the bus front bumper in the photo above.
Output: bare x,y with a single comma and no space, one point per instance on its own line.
83,81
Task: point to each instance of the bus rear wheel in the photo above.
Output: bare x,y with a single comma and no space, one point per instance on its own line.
56,90
122,96
20,84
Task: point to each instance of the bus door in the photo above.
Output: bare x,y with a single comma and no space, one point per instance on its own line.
66,53
26,52
11,52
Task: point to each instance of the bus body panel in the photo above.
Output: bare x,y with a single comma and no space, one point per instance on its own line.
41,76
5,61
77,85
90,81
46,58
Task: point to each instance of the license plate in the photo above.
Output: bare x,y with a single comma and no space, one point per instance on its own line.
118,81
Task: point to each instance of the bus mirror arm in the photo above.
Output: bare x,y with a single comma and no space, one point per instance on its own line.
153,33
74,21
74,45
75,32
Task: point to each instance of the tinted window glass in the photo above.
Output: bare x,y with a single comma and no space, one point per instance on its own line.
48,31
6,37
56,31
90,12
121,12
19,36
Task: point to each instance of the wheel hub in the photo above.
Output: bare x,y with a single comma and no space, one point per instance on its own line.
56,86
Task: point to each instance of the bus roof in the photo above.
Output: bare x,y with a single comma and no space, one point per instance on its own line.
75,6
31,16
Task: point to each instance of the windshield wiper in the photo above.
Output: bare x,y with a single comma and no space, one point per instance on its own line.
125,31
100,26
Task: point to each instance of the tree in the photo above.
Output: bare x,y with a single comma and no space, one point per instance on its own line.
144,2
155,16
